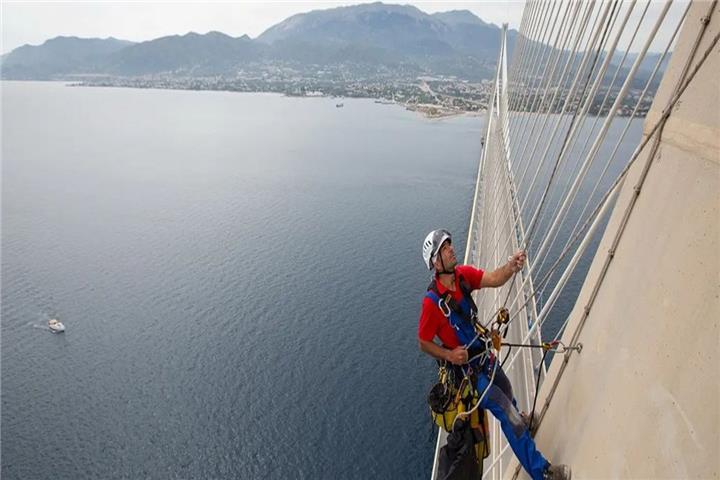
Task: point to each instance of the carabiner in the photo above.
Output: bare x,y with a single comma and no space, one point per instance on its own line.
441,304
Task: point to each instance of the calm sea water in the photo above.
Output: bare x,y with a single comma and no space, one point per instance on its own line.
239,274
240,277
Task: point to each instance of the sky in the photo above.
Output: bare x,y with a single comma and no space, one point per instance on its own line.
30,22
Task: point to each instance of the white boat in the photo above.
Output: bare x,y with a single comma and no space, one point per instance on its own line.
56,326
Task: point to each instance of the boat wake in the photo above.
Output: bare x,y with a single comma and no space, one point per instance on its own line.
52,326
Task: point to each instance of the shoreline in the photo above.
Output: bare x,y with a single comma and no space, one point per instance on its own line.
427,110
430,111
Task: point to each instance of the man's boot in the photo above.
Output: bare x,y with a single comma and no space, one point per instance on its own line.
557,472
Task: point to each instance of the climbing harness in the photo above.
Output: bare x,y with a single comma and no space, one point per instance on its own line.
454,396
462,316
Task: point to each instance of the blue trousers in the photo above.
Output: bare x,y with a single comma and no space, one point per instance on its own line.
501,403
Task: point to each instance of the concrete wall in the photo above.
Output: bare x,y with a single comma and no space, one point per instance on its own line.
642,400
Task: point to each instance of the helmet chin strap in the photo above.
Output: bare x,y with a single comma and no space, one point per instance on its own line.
444,270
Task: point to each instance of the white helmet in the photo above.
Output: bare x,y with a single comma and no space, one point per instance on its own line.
432,244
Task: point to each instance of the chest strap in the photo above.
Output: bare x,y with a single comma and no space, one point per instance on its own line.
451,304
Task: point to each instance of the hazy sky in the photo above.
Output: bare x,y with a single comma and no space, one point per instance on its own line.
34,22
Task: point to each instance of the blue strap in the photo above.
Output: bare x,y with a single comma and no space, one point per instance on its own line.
464,331
432,296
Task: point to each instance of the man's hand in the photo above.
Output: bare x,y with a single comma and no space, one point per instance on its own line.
517,261
457,356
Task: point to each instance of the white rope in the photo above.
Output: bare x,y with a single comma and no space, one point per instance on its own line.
596,35
606,125
559,52
526,140
576,128
585,57
570,96
558,49
518,221
536,47
541,49
506,195
597,215
632,116
681,85
519,46
592,130
571,266
565,106
568,67
527,44
496,242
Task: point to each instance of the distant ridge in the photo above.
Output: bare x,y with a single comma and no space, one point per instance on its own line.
377,39
191,53
377,34
60,55
456,17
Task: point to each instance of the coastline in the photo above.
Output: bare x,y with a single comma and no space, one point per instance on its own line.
427,110
432,111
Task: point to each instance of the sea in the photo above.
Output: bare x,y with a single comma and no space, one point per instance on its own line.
240,277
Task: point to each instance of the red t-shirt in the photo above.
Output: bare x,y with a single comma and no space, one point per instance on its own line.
433,322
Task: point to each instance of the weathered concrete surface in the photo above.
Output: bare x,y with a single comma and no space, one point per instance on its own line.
643,398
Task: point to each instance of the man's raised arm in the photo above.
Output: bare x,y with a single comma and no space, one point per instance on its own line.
498,277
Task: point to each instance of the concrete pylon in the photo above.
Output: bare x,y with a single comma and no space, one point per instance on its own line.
642,400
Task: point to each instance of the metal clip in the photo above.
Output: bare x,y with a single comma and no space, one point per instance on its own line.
560,347
503,316
565,349
496,340
444,307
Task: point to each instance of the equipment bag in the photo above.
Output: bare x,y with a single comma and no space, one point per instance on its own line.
445,404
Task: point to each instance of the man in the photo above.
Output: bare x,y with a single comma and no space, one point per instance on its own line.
453,326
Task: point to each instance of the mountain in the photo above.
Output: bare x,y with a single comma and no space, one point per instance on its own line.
60,55
399,30
369,36
192,53
459,17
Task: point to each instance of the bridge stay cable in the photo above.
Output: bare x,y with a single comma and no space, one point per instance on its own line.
533,98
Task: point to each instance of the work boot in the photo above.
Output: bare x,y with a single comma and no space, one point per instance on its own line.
557,472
